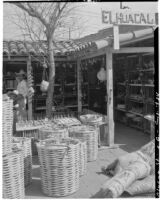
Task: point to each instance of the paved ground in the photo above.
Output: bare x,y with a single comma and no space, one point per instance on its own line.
128,139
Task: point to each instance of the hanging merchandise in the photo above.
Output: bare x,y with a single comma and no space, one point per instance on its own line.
30,82
44,83
101,75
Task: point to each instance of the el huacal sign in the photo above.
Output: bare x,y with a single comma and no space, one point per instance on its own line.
128,18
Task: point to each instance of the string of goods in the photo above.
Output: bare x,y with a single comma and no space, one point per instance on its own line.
30,83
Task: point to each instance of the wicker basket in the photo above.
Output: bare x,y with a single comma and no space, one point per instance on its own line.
7,130
59,161
30,132
25,145
91,119
53,131
67,121
83,158
90,135
13,176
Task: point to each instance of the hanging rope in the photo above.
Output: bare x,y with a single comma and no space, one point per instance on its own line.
44,75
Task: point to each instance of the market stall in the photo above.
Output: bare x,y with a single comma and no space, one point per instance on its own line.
84,85
137,44
94,66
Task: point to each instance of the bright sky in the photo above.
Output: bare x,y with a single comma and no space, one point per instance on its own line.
89,13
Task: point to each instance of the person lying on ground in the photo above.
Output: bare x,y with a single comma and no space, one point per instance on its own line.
134,173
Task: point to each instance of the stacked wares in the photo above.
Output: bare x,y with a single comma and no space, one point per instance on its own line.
66,121
25,145
7,125
13,175
52,131
13,166
59,162
90,135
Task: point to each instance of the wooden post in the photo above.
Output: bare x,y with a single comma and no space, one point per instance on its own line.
109,75
116,36
79,86
29,98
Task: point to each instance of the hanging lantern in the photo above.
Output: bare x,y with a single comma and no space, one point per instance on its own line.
101,75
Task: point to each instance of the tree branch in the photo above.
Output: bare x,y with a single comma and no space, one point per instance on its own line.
56,17
32,12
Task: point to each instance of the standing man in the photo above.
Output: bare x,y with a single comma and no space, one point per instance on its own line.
22,92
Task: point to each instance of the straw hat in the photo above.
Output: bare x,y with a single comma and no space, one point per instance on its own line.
21,73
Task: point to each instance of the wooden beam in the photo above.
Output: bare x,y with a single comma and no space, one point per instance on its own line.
91,54
79,86
109,73
15,59
137,40
30,98
35,58
133,50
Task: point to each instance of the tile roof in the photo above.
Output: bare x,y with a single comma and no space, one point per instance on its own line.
72,46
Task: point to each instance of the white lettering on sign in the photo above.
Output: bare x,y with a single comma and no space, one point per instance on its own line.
128,18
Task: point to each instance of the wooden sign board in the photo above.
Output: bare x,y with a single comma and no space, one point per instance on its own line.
128,18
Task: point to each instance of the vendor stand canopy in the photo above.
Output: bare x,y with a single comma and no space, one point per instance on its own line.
74,48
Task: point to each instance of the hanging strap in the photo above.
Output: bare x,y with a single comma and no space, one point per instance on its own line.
44,75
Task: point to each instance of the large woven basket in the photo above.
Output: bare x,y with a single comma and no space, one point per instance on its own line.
25,145
54,131
13,175
7,130
59,162
90,135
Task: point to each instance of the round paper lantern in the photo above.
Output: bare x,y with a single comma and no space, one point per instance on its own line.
101,75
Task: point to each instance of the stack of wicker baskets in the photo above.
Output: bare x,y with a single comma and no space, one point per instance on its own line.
52,131
90,135
13,175
25,145
13,164
7,129
59,162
